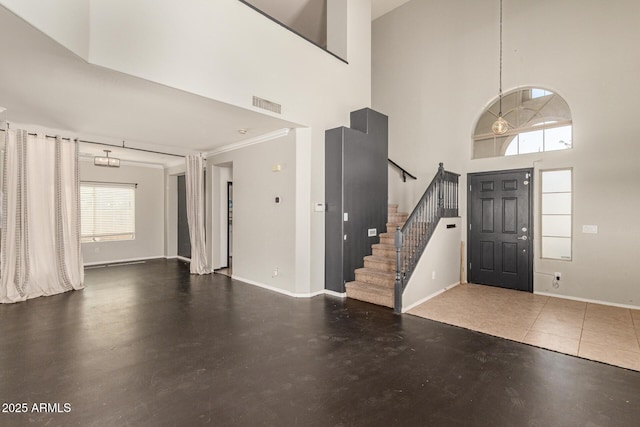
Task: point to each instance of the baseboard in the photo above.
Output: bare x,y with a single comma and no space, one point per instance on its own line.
118,261
335,294
592,301
278,290
181,258
427,298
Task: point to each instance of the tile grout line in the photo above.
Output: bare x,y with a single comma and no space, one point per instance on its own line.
635,331
586,307
536,319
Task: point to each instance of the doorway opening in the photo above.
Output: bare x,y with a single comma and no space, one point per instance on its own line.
184,240
222,219
499,235
229,268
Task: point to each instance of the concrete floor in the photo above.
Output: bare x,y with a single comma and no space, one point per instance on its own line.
149,344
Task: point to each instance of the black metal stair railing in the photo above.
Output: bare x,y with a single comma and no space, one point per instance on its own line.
440,200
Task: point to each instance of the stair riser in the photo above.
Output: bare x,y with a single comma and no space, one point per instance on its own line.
391,209
387,282
384,253
387,240
381,266
397,217
386,301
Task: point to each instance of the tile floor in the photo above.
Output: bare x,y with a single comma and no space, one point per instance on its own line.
592,331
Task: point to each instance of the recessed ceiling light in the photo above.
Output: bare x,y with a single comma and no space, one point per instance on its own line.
242,131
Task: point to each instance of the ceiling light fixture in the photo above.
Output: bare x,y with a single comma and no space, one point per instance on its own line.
500,126
242,131
106,161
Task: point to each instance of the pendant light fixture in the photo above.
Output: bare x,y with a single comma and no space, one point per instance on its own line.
500,126
110,162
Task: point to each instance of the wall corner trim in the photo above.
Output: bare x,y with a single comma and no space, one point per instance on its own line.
428,297
248,142
278,290
335,294
592,301
120,261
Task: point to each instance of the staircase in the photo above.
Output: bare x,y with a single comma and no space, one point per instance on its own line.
375,282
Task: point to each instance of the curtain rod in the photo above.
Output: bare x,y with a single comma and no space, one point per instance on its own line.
134,184
109,145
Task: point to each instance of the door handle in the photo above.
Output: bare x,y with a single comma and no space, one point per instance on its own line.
523,238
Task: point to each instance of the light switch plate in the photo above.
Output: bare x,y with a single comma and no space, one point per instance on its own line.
346,216
590,229
372,232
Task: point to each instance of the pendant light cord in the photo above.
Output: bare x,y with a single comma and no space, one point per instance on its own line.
500,83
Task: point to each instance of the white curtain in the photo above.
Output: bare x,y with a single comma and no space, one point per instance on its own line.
194,179
40,241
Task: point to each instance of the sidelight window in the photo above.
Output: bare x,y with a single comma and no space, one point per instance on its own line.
556,215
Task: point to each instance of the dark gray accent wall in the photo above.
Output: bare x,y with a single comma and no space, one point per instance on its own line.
355,184
184,241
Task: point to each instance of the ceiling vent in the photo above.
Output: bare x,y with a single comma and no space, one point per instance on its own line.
267,105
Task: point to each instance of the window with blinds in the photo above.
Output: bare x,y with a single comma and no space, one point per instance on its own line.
107,211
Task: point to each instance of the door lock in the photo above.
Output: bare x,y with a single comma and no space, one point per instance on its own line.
523,238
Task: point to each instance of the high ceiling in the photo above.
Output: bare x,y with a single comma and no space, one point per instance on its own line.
43,83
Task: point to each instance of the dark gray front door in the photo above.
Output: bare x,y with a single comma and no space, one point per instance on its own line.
500,220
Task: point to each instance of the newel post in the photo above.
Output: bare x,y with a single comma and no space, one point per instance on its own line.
397,289
441,190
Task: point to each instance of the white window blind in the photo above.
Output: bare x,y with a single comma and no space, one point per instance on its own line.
107,211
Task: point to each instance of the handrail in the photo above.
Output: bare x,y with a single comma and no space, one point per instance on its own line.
405,173
440,200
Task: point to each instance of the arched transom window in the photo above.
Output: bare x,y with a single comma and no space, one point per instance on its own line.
539,120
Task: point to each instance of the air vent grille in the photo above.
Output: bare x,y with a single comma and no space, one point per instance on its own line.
267,105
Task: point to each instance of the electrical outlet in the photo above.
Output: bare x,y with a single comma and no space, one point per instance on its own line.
275,272
557,275
433,275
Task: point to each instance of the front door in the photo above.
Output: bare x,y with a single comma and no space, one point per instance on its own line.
499,234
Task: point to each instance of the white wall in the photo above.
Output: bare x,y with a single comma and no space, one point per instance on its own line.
65,21
439,266
435,68
150,214
264,233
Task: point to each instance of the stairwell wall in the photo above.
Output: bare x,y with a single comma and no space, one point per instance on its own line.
439,266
